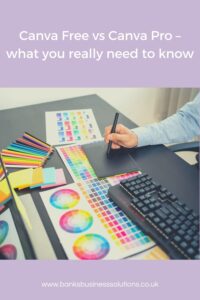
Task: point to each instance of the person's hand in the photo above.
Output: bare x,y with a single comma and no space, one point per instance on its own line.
123,137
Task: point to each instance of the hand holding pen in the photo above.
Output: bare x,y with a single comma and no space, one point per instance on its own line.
123,137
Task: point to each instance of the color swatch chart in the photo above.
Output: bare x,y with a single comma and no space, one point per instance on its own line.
76,162
80,232
10,245
123,232
26,152
67,127
89,225
114,180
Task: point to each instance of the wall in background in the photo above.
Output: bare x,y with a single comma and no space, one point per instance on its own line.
139,104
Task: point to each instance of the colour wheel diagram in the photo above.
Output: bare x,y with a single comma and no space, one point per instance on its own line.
9,251
64,199
91,247
76,221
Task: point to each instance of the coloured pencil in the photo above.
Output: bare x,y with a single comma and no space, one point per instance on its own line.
27,151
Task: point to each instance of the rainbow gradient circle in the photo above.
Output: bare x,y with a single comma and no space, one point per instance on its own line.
76,221
9,251
3,231
64,199
91,247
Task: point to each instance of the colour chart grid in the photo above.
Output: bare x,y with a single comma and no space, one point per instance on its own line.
120,228
76,162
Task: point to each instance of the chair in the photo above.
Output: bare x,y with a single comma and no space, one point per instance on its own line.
191,146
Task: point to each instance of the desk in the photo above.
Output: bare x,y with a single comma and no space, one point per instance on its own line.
158,161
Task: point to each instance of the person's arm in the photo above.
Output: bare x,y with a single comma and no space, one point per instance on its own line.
181,127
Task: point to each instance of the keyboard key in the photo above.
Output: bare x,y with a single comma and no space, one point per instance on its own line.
175,227
134,200
184,227
190,251
180,209
168,231
161,225
195,244
177,239
172,217
156,220
183,245
151,215
165,210
160,214
169,222
188,238
144,210
173,198
181,232
178,222
140,204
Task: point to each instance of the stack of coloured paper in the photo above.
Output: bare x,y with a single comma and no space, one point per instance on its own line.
26,152
31,178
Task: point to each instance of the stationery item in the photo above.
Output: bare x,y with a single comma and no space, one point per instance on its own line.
26,152
89,225
22,210
5,194
14,196
60,180
1,173
21,179
38,177
118,163
10,246
49,176
71,126
76,162
31,178
46,251
109,150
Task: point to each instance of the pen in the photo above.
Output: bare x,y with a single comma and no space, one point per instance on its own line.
112,131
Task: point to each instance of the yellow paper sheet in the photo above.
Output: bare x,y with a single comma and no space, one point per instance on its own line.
4,191
37,176
21,179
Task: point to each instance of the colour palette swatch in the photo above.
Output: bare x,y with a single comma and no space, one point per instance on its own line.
10,246
71,126
26,152
89,225
123,232
76,162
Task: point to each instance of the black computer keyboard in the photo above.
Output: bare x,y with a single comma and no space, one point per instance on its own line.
160,214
